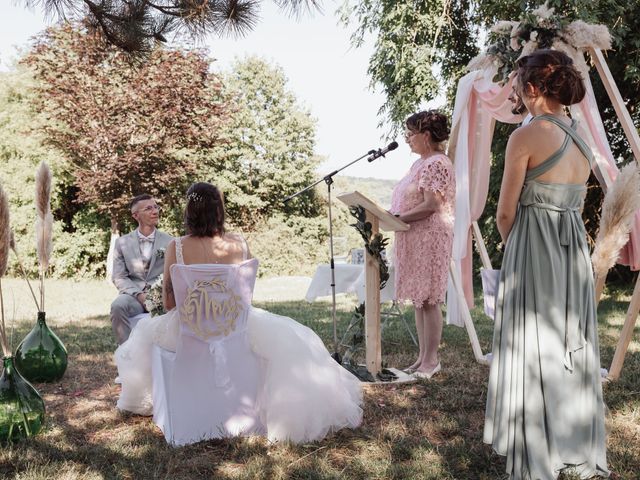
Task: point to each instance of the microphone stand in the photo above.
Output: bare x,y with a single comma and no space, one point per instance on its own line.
328,179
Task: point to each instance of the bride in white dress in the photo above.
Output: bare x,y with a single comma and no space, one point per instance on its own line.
305,395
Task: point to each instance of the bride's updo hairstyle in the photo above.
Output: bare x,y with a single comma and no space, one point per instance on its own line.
554,74
204,213
431,121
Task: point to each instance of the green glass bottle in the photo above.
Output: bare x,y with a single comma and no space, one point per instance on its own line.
41,356
21,407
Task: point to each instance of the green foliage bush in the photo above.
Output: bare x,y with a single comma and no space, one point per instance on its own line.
267,154
290,246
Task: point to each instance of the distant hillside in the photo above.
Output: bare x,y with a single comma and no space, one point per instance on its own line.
373,188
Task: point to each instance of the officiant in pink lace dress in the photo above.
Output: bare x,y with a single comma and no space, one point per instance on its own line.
424,199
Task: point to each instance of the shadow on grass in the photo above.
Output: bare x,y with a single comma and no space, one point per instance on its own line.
427,430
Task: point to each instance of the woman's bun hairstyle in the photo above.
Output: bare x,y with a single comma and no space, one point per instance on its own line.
554,74
431,121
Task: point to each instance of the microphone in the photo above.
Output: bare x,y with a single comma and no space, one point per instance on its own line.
381,152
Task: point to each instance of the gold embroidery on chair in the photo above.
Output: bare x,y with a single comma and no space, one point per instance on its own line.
210,301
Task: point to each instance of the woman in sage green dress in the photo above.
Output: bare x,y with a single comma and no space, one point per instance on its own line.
545,410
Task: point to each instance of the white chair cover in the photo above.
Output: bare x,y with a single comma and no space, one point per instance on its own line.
209,387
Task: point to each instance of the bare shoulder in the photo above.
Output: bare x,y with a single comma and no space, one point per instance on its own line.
171,247
522,137
235,238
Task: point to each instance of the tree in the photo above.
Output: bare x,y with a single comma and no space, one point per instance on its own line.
81,236
125,129
136,26
268,154
414,41
422,48
269,149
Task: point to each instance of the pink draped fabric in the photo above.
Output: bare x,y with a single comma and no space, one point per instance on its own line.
479,103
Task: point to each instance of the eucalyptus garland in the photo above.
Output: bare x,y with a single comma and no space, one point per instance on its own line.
374,244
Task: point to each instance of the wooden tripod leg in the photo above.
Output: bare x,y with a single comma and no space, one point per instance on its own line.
599,287
482,248
634,141
616,99
626,334
466,315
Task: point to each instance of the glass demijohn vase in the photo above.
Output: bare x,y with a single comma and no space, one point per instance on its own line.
21,407
41,356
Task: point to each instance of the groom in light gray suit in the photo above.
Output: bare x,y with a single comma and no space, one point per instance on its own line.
138,261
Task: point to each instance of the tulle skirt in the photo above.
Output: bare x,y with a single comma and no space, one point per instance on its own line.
305,394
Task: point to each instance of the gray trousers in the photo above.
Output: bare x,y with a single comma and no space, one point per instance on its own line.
123,308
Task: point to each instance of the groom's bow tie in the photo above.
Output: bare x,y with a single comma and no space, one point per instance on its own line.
145,240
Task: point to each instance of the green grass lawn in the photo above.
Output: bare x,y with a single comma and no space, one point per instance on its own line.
426,430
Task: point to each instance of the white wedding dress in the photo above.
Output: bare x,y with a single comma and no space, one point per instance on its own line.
305,395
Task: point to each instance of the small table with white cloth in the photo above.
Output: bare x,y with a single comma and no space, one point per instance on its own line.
350,278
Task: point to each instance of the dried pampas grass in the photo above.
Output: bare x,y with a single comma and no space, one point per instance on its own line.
44,229
44,223
620,204
583,35
5,232
5,241
43,190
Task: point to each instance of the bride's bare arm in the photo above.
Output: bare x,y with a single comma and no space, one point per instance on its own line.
168,298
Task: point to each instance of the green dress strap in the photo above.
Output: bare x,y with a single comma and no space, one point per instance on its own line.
555,157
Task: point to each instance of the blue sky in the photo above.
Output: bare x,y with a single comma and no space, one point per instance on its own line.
327,75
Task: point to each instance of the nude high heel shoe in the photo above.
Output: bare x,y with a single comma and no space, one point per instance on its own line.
430,374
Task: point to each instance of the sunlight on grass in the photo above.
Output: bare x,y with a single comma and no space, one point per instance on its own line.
426,430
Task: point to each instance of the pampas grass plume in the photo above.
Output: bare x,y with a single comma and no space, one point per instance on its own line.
44,246
5,240
582,35
43,190
5,232
44,221
620,204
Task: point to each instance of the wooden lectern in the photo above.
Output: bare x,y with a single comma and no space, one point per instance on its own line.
379,219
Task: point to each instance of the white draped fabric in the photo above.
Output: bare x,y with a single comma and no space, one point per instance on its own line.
349,279
479,102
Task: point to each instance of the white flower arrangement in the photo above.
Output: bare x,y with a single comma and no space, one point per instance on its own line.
536,29
153,302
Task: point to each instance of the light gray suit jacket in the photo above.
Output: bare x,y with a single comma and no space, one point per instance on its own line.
129,275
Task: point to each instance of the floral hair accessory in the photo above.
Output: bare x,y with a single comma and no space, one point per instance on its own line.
195,197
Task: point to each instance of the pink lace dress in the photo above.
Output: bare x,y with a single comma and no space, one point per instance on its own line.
422,254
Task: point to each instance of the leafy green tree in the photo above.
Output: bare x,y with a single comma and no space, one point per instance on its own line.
268,155
265,152
268,152
422,49
125,130
81,235
138,25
